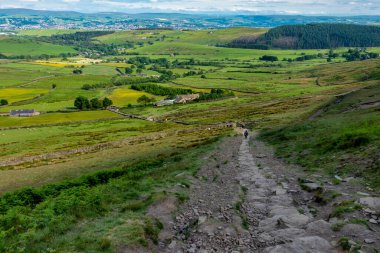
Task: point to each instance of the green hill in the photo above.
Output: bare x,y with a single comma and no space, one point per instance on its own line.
11,46
341,138
313,36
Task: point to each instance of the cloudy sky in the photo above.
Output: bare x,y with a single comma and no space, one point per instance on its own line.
312,7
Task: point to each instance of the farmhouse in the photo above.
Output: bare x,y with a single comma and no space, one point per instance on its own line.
113,108
164,102
24,113
182,99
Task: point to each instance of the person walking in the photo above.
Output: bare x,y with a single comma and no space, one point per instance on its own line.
246,133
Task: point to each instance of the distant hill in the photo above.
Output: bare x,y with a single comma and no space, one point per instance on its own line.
13,19
313,36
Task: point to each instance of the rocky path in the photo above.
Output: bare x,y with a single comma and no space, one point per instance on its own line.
245,200
276,223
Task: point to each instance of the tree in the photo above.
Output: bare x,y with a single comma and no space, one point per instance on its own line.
139,71
268,58
144,100
82,103
86,87
77,71
128,71
96,103
3,102
107,102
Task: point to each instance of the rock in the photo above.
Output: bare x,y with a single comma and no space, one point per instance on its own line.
369,211
363,194
369,241
172,245
313,244
372,202
373,221
355,230
319,227
311,187
202,219
292,220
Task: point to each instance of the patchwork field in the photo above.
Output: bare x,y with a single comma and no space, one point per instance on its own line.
86,167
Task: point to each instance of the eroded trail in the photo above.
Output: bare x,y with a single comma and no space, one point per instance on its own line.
245,200
276,223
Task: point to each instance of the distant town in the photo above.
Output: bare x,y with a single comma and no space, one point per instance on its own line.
13,19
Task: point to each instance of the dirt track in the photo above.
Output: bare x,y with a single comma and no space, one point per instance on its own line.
245,200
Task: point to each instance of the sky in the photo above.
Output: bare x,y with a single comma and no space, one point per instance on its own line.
304,7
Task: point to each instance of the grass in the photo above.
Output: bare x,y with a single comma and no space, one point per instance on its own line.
11,46
46,139
45,32
125,96
88,201
20,94
55,118
344,207
109,216
336,143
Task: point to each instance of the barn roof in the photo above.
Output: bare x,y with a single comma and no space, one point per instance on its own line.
24,111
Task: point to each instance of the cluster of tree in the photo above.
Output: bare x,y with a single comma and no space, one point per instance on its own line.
249,42
359,54
83,41
83,103
119,80
305,57
313,36
216,94
268,58
145,100
95,86
159,90
3,102
143,60
193,73
77,71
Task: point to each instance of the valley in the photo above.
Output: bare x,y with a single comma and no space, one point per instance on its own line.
84,177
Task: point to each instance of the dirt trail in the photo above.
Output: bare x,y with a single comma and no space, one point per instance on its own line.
246,200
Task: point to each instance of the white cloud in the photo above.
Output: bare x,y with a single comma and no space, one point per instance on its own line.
342,7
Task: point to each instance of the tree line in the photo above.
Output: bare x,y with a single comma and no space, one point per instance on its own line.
83,103
314,36
215,94
159,90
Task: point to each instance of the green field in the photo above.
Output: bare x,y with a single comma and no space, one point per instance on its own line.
93,173
10,46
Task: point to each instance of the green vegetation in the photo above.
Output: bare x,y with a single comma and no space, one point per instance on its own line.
83,103
145,100
81,180
160,90
314,36
336,143
27,48
46,214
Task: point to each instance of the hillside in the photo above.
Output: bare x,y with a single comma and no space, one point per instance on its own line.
313,36
336,144
140,178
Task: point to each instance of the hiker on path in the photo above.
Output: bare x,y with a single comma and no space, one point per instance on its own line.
246,133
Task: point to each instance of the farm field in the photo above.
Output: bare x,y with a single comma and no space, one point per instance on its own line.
91,168
15,46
